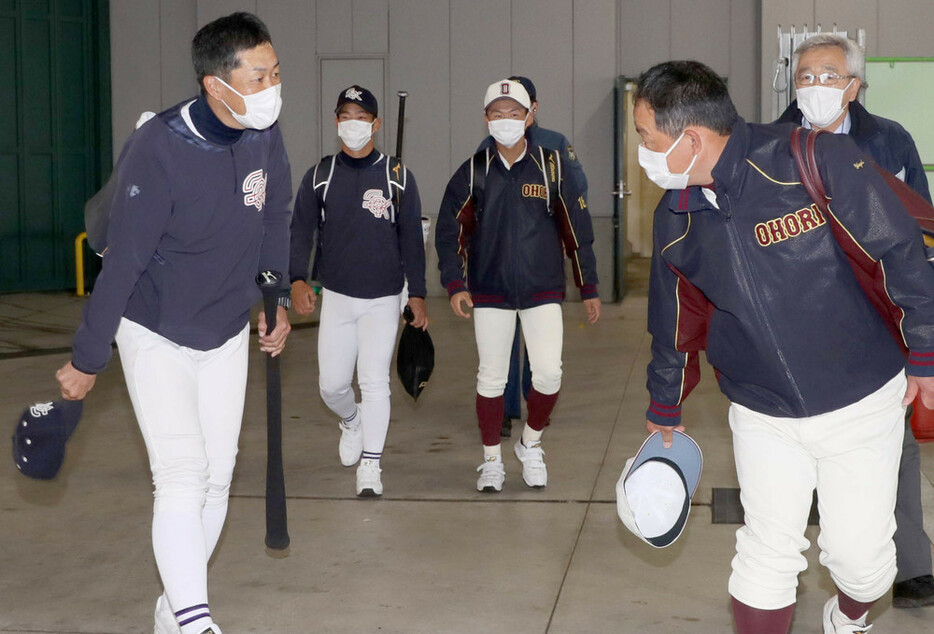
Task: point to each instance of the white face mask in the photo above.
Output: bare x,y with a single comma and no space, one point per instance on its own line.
355,133
656,168
507,132
262,108
821,105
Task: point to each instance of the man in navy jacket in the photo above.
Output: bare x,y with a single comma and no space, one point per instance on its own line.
746,267
200,208
841,62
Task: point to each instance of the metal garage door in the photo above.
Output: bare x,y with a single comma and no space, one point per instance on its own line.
54,134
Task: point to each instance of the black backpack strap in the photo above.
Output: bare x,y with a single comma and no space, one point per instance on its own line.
478,167
395,182
551,173
324,170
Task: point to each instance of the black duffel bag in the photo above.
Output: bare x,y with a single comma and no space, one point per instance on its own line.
416,358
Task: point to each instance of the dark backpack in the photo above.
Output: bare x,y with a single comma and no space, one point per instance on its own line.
324,170
550,163
97,208
551,175
395,183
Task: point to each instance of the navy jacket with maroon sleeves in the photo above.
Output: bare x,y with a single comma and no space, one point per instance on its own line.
763,286
512,255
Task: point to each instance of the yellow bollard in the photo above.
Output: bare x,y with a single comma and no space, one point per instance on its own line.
79,263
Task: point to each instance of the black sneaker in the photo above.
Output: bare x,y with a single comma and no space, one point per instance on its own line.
506,430
914,593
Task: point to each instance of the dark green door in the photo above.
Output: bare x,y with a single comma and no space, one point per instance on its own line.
54,134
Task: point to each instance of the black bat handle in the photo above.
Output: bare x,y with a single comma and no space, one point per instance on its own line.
401,124
277,535
268,282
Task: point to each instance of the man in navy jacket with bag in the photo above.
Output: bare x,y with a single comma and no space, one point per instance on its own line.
745,266
829,71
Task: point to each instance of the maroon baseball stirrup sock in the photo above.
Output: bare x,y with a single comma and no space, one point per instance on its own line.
490,417
750,620
853,609
540,408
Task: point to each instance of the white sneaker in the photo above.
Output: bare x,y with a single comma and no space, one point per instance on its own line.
534,471
369,484
165,618
836,622
351,445
492,475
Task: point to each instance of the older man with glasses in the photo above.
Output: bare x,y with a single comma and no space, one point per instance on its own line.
829,71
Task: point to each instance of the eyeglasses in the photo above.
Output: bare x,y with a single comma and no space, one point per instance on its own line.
825,79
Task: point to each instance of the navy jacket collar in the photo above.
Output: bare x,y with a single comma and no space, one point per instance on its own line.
863,125
728,174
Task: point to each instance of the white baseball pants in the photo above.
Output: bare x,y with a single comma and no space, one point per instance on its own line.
543,331
851,457
189,405
362,333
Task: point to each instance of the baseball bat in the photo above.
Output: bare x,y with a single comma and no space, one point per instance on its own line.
277,530
401,125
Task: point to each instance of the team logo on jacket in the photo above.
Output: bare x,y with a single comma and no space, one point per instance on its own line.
789,226
535,191
254,188
41,409
376,203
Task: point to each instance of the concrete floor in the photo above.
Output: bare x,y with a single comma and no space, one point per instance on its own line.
432,555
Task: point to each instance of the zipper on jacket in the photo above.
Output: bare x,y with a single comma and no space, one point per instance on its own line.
233,160
746,272
514,175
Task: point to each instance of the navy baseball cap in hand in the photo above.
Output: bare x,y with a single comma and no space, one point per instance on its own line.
40,436
653,494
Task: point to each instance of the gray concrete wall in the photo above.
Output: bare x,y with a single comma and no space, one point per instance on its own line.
444,53
894,28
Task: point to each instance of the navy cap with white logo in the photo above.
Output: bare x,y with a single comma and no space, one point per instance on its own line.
40,436
360,96
653,494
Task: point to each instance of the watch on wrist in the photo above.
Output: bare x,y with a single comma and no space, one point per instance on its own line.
285,301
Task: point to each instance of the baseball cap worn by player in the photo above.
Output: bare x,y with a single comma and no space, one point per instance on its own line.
507,89
360,96
40,436
653,494
527,84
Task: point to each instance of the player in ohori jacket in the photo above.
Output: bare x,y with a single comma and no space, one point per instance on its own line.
521,379
828,71
366,249
176,288
501,251
747,268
